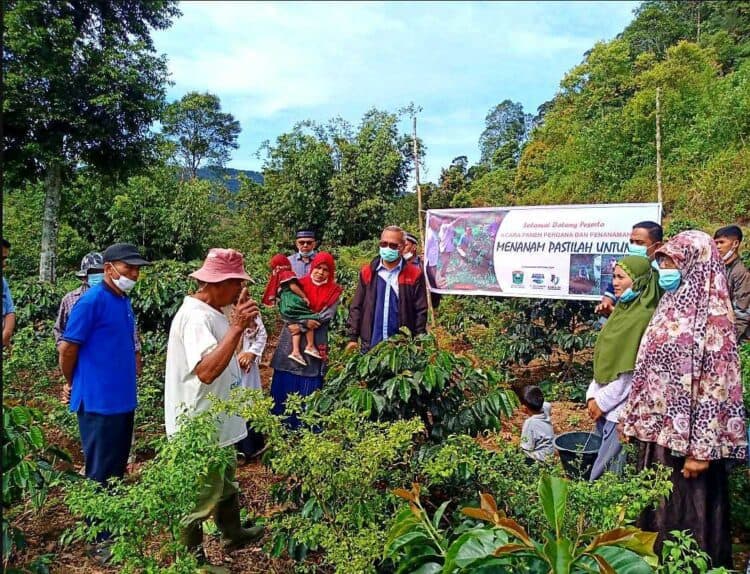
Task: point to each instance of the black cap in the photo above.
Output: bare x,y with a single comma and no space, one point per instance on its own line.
124,252
410,237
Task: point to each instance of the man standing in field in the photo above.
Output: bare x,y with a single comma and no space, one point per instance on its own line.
645,238
201,362
97,359
91,274
390,295
728,241
305,244
9,310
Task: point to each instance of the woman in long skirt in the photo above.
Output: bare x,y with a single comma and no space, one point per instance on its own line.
685,407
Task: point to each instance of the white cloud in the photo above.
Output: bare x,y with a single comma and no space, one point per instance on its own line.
274,64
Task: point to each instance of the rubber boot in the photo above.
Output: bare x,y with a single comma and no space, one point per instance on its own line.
227,518
192,537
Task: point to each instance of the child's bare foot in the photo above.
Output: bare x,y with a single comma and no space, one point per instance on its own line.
298,359
313,352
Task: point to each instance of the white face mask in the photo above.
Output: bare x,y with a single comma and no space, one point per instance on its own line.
728,255
124,284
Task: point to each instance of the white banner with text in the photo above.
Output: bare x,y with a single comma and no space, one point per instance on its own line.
554,252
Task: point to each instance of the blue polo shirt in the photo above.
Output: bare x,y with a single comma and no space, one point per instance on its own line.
102,324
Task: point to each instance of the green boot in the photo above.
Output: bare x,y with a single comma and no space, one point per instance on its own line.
192,537
227,517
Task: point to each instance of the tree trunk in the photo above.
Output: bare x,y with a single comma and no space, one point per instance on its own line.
50,223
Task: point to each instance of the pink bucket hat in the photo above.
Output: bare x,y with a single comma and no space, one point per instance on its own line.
220,265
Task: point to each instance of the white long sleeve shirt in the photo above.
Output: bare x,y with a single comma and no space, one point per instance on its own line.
254,341
611,398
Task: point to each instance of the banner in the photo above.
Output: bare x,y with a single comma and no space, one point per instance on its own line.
553,252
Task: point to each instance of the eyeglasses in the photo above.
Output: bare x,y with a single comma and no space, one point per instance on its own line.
389,244
305,241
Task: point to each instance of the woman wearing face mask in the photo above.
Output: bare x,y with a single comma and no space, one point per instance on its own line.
324,293
636,287
685,407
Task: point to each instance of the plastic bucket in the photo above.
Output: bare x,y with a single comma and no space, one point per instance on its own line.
578,452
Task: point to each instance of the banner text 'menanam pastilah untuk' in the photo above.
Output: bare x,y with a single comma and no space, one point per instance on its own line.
554,252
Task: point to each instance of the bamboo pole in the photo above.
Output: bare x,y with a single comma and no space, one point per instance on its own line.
415,147
659,195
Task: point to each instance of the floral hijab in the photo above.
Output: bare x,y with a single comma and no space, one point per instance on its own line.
687,392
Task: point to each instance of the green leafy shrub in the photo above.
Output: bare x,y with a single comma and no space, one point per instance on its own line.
416,544
160,291
459,468
28,464
36,301
141,512
682,554
405,377
337,474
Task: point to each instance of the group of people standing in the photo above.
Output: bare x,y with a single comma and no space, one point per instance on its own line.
667,376
215,344
666,364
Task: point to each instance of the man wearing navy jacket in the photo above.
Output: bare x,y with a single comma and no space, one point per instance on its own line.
390,295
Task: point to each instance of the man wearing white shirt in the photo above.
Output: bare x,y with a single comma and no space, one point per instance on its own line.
201,362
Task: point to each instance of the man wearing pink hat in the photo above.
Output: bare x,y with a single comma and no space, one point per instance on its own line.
201,362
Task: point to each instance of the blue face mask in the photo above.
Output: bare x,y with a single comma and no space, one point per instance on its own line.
389,255
669,279
95,279
640,250
311,254
628,295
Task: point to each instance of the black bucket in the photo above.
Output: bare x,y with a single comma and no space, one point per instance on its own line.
578,452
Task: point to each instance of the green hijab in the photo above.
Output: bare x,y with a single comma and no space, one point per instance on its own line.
617,345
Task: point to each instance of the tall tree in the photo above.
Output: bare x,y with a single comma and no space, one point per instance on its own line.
83,85
200,131
506,128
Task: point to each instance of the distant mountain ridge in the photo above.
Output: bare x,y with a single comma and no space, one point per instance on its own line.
229,176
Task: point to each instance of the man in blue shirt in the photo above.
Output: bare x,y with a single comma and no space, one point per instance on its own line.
97,358
9,310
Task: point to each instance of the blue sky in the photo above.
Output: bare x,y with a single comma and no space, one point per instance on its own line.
274,64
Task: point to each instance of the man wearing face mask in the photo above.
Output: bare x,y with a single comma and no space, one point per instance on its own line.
90,274
645,238
390,295
97,358
728,241
305,243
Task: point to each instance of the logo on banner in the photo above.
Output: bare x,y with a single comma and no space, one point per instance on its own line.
554,279
538,278
517,277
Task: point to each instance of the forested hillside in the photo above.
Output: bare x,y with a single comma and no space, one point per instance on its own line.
594,141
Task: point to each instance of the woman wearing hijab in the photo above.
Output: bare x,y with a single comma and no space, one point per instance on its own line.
685,407
637,289
289,376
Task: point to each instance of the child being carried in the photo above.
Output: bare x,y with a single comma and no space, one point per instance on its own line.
285,290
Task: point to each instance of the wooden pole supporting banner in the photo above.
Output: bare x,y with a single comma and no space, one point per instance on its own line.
415,147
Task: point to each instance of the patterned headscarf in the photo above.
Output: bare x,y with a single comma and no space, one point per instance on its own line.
687,392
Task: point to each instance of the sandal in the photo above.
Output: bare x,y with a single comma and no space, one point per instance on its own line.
313,353
298,359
